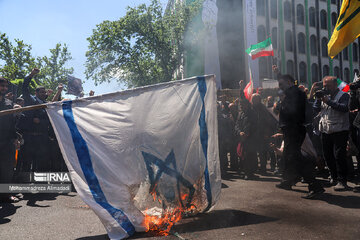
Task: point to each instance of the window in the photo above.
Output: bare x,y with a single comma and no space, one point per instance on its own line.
301,42
314,73
324,48
274,36
312,22
313,45
290,67
355,52
273,9
287,11
346,53
261,33
289,41
263,70
337,72
326,70
333,19
347,75
333,1
323,21
260,7
302,71
300,14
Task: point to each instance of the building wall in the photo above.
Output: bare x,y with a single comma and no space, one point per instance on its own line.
307,25
315,57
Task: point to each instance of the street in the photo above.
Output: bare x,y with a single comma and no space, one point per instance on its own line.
247,210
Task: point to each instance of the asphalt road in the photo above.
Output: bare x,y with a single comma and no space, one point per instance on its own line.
246,210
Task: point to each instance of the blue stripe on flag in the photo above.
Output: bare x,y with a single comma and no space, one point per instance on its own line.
83,154
204,137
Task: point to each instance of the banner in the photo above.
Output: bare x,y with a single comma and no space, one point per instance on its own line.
212,60
142,153
347,27
251,38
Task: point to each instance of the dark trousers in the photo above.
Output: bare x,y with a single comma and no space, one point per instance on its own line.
7,161
266,153
334,148
35,154
249,158
295,163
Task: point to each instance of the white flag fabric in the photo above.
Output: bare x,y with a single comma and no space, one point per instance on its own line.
123,149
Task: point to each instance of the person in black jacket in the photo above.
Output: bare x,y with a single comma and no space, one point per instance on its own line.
291,122
245,130
35,127
8,140
354,106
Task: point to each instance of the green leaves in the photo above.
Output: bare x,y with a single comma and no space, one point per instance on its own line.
16,61
53,70
143,47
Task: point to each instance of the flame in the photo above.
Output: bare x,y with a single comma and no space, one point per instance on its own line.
162,223
183,197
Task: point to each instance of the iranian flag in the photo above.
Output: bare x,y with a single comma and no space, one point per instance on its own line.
248,90
261,49
343,86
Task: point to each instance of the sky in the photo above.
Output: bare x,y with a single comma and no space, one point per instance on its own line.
44,23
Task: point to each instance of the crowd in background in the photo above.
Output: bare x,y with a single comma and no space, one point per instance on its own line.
297,134
27,140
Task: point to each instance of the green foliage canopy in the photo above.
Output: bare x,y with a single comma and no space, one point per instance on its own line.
17,61
143,47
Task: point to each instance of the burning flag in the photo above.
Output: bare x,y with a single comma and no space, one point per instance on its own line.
261,49
142,158
343,86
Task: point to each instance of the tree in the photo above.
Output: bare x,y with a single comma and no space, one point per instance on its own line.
53,68
143,47
16,62
17,59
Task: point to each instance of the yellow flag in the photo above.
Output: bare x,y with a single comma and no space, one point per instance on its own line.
347,28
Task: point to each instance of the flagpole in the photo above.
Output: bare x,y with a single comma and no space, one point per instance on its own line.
23,109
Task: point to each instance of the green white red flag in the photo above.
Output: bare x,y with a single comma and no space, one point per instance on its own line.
343,86
261,49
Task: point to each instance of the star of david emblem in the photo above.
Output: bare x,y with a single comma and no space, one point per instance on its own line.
164,167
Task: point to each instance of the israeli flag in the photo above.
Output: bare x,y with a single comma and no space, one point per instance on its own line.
127,148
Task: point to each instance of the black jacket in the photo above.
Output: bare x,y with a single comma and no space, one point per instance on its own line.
26,123
246,122
293,107
7,124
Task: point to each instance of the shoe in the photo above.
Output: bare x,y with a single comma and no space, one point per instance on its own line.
356,189
333,182
284,185
314,193
340,186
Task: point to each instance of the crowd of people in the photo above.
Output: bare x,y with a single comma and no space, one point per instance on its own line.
27,140
299,134
302,135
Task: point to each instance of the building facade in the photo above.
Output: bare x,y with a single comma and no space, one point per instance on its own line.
299,30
